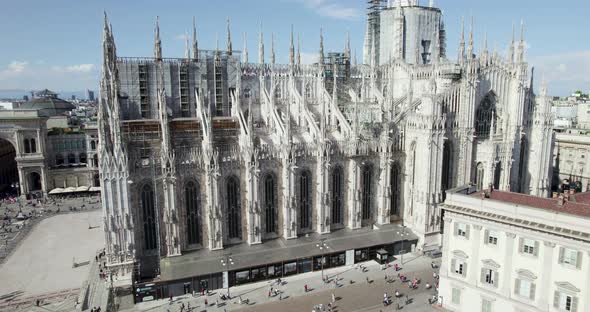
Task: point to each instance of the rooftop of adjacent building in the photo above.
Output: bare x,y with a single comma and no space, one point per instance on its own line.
566,215
570,203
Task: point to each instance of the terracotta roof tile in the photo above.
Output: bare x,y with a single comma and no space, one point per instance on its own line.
578,204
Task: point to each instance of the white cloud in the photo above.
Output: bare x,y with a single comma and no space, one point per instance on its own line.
80,68
25,75
563,72
15,68
331,8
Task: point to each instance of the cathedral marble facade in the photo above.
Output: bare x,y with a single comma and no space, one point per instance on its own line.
212,150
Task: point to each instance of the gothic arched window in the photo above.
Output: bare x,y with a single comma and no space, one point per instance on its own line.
149,218
337,196
447,176
497,175
233,207
59,159
479,172
270,204
82,158
305,200
27,146
71,158
192,205
366,191
522,170
33,146
93,145
95,160
395,187
485,115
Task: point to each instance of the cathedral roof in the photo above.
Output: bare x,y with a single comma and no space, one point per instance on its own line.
48,103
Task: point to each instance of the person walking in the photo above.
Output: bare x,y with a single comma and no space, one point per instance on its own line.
333,298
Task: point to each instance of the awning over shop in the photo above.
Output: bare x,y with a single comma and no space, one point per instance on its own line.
58,190
82,189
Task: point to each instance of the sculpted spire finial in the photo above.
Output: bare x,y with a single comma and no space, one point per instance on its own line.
470,48
298,51
462,42
157,41
187,53
347,47
291,49
511,49
229,46
321,56
261,47
272,49
520,56
245,49
195,43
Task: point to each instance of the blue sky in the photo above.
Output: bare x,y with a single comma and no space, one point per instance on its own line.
57,44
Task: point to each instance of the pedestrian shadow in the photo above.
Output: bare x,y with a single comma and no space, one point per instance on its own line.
285,297
338,298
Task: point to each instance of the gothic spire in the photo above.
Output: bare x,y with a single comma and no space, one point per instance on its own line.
272,49
187,53
484,52
261,47
292,49
321,56
245,49
470,49
354,62
195,43
157,41
298,51
462,42
520,55
229,47
511,49
347,47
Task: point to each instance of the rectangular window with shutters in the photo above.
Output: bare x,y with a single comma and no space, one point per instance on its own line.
486,305
525,288
570,257
458,266
565,302
489,277
529,246
456,296
462,229
491,237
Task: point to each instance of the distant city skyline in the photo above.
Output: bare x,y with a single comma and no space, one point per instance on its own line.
58,47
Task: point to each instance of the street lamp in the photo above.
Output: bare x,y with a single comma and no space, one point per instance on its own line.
227,261
322,246
403,235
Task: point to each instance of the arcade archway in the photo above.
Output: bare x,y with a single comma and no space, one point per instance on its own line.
8,168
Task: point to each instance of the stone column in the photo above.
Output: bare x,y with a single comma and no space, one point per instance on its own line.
507,270
44,180
445,247
545,297
354,218
474,263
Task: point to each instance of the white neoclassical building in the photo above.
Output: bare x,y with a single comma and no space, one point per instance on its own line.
509,252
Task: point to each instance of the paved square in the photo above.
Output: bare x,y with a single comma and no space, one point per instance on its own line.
43,261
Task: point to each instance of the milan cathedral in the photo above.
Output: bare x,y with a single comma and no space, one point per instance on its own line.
211,149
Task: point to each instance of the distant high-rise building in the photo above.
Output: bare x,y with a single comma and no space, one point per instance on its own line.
25,98
89,95
73,97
